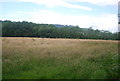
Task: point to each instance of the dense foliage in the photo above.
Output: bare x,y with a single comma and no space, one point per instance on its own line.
29,29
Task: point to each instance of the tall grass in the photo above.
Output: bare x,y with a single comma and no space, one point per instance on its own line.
43,58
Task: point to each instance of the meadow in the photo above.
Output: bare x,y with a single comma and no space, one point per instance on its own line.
48,58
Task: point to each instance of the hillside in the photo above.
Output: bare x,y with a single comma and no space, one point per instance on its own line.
29,29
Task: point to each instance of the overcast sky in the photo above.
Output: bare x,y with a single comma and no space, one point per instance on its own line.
100,14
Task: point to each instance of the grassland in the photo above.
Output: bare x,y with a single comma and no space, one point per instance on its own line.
44,58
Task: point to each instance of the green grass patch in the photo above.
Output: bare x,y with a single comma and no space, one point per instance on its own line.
70,60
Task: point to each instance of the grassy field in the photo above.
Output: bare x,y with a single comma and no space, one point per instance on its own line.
45,58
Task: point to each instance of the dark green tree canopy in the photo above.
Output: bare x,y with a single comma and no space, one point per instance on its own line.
29,29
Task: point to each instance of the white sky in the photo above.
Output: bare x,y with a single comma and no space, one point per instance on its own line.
106,20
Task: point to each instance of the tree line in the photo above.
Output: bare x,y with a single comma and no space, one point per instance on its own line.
30,29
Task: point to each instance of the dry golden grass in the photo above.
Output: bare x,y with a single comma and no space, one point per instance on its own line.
43,45
66,51
46,47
